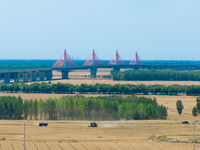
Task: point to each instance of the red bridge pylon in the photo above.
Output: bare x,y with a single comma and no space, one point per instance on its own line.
136,60
93,60
116,60
64,61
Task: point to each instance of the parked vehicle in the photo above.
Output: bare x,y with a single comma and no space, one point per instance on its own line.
43,124
185,122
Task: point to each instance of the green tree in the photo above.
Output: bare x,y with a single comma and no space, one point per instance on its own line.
17,110
179,106
194,112
41,108
25,109
198,104
35,109
30,108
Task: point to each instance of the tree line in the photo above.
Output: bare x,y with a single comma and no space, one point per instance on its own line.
150,75
61,88
82,108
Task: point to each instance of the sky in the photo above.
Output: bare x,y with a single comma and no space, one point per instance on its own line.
156,29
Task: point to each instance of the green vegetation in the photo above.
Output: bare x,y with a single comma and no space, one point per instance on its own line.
198,104
11,107
179,106
82,108
194,111
151,75
25,64
162,138
3,139
101,88
153,137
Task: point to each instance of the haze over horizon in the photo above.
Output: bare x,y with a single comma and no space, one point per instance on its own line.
157,29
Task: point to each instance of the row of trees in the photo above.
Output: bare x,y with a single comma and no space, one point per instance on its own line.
11,107
82,108
150,75
24,64
101,88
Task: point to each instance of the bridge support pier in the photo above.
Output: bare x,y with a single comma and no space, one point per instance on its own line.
7,78
25,76
93,73
33,75
117,69
49,75
65,74
41,75
16,76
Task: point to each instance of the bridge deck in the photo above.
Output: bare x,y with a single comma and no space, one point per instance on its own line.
156,67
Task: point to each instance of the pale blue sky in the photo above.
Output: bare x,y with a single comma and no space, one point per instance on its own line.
156,29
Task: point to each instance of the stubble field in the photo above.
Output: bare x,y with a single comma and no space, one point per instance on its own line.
78,136
78,77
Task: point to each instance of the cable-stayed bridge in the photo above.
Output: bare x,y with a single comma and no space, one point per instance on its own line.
65,64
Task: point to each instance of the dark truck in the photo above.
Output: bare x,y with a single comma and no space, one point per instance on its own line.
43,124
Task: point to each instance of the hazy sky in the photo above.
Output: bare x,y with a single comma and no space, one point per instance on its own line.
156,29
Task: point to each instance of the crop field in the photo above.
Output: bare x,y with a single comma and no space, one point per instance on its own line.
78,77
110,81
97,146
170,102
108,135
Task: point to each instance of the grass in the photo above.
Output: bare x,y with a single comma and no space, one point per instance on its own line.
162,138
153,137
3,139
74,141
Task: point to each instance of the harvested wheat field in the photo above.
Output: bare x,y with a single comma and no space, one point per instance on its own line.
170,102
108,135
96,146
78,77
93,81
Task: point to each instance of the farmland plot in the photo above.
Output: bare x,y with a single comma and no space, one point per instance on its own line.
99,146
